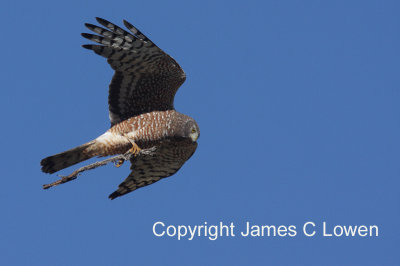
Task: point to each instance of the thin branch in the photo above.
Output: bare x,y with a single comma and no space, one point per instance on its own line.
127,156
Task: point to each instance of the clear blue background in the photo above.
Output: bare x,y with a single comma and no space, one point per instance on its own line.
298,105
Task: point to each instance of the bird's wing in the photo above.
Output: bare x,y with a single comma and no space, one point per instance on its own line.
148,169
145,79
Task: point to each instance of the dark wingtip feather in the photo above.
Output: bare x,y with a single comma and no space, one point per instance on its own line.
127,24
114,195
132,28
88,46
90,26
102,21
136,31
86,35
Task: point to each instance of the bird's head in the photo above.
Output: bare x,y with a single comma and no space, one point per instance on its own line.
191,130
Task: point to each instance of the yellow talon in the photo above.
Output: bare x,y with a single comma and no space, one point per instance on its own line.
119,163
135,149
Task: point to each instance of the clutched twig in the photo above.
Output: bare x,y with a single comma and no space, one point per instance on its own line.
122,157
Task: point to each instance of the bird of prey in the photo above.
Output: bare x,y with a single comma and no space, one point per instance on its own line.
141,110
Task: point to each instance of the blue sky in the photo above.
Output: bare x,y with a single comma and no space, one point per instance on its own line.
298,105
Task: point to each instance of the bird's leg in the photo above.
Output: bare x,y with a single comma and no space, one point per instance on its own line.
119,163
134,150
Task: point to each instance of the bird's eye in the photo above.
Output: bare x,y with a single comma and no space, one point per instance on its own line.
193,130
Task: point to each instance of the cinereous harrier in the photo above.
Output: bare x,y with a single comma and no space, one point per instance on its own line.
141,110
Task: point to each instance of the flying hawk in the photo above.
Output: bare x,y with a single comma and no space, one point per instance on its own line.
141,110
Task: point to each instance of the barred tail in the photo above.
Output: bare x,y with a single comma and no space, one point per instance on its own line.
65,159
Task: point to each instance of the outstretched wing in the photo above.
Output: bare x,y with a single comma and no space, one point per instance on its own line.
145,79
148,169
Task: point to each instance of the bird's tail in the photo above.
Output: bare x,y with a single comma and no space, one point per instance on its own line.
73,156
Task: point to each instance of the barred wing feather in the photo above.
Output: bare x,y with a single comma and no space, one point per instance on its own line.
145,79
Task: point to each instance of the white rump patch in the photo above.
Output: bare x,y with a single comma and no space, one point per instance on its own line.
109,138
